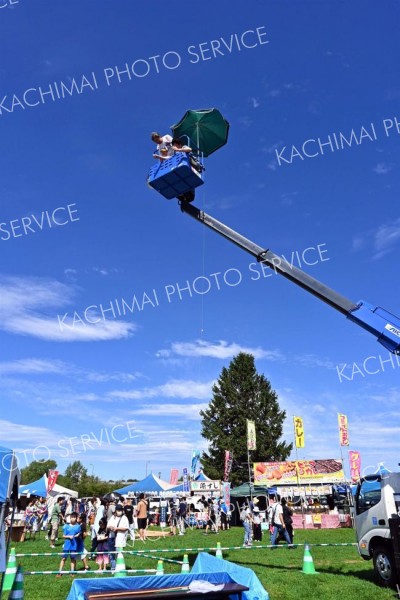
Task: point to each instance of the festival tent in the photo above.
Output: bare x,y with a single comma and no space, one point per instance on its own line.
39,488
9,480
9,475
36,488
244,490
202,477
180,486
149,485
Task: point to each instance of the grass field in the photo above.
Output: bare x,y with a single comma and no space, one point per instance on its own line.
342,573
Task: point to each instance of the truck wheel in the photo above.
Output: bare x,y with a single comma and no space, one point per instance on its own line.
385,569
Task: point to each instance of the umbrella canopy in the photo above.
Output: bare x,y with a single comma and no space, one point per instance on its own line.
206,128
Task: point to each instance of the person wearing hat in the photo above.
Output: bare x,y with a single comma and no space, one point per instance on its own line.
118,527
257,533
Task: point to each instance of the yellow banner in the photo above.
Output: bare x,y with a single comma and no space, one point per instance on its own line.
343,430
251,435
298,432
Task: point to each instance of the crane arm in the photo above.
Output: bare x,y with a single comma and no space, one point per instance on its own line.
374,319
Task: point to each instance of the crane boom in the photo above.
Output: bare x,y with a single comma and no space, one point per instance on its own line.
376,320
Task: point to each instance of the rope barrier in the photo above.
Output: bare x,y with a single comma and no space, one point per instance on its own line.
89,571
185,550
171,560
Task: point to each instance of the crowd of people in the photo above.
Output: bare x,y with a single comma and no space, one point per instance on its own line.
110,523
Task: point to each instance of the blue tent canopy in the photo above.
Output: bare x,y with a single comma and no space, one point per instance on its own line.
149,485
36,488
9,474
201,477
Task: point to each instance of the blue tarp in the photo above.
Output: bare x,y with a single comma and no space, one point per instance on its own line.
80,586
206,563
36,488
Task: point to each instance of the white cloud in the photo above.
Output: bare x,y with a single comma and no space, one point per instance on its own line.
32,366
358,243
386,237
221,350
25,313
255,102
271,149
382,168
172,389
184,411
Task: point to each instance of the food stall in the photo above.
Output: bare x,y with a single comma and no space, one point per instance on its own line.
309,488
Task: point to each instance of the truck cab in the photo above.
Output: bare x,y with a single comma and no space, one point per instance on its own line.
377,524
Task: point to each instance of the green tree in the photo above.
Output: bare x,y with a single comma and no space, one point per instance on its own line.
75,474
36,469
240,394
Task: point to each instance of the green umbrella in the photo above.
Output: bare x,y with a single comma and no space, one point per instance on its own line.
207,129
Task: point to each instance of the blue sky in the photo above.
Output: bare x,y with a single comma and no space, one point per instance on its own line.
314,70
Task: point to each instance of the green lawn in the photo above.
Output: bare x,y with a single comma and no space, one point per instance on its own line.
342,573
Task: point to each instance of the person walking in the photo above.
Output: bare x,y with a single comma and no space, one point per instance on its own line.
278,524
173,519
129,510
141,513
99,514
182,512
55,518
247,520
287,518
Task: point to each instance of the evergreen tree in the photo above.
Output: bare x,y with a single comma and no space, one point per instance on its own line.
240,394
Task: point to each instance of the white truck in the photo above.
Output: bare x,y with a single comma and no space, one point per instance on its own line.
377,524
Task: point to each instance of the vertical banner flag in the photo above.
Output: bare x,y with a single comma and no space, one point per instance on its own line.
186,487
251,435
228,464
355,465
163,513
173,478
226,492
343,430
51,481
195,460
298,432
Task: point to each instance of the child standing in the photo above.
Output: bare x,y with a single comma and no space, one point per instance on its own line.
257,532
80,541
102,558
71,531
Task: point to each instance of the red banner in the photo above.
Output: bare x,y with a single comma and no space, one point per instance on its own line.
228,464
355,465
51,481
173,479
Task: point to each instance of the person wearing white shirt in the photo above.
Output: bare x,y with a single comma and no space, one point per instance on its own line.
118,526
